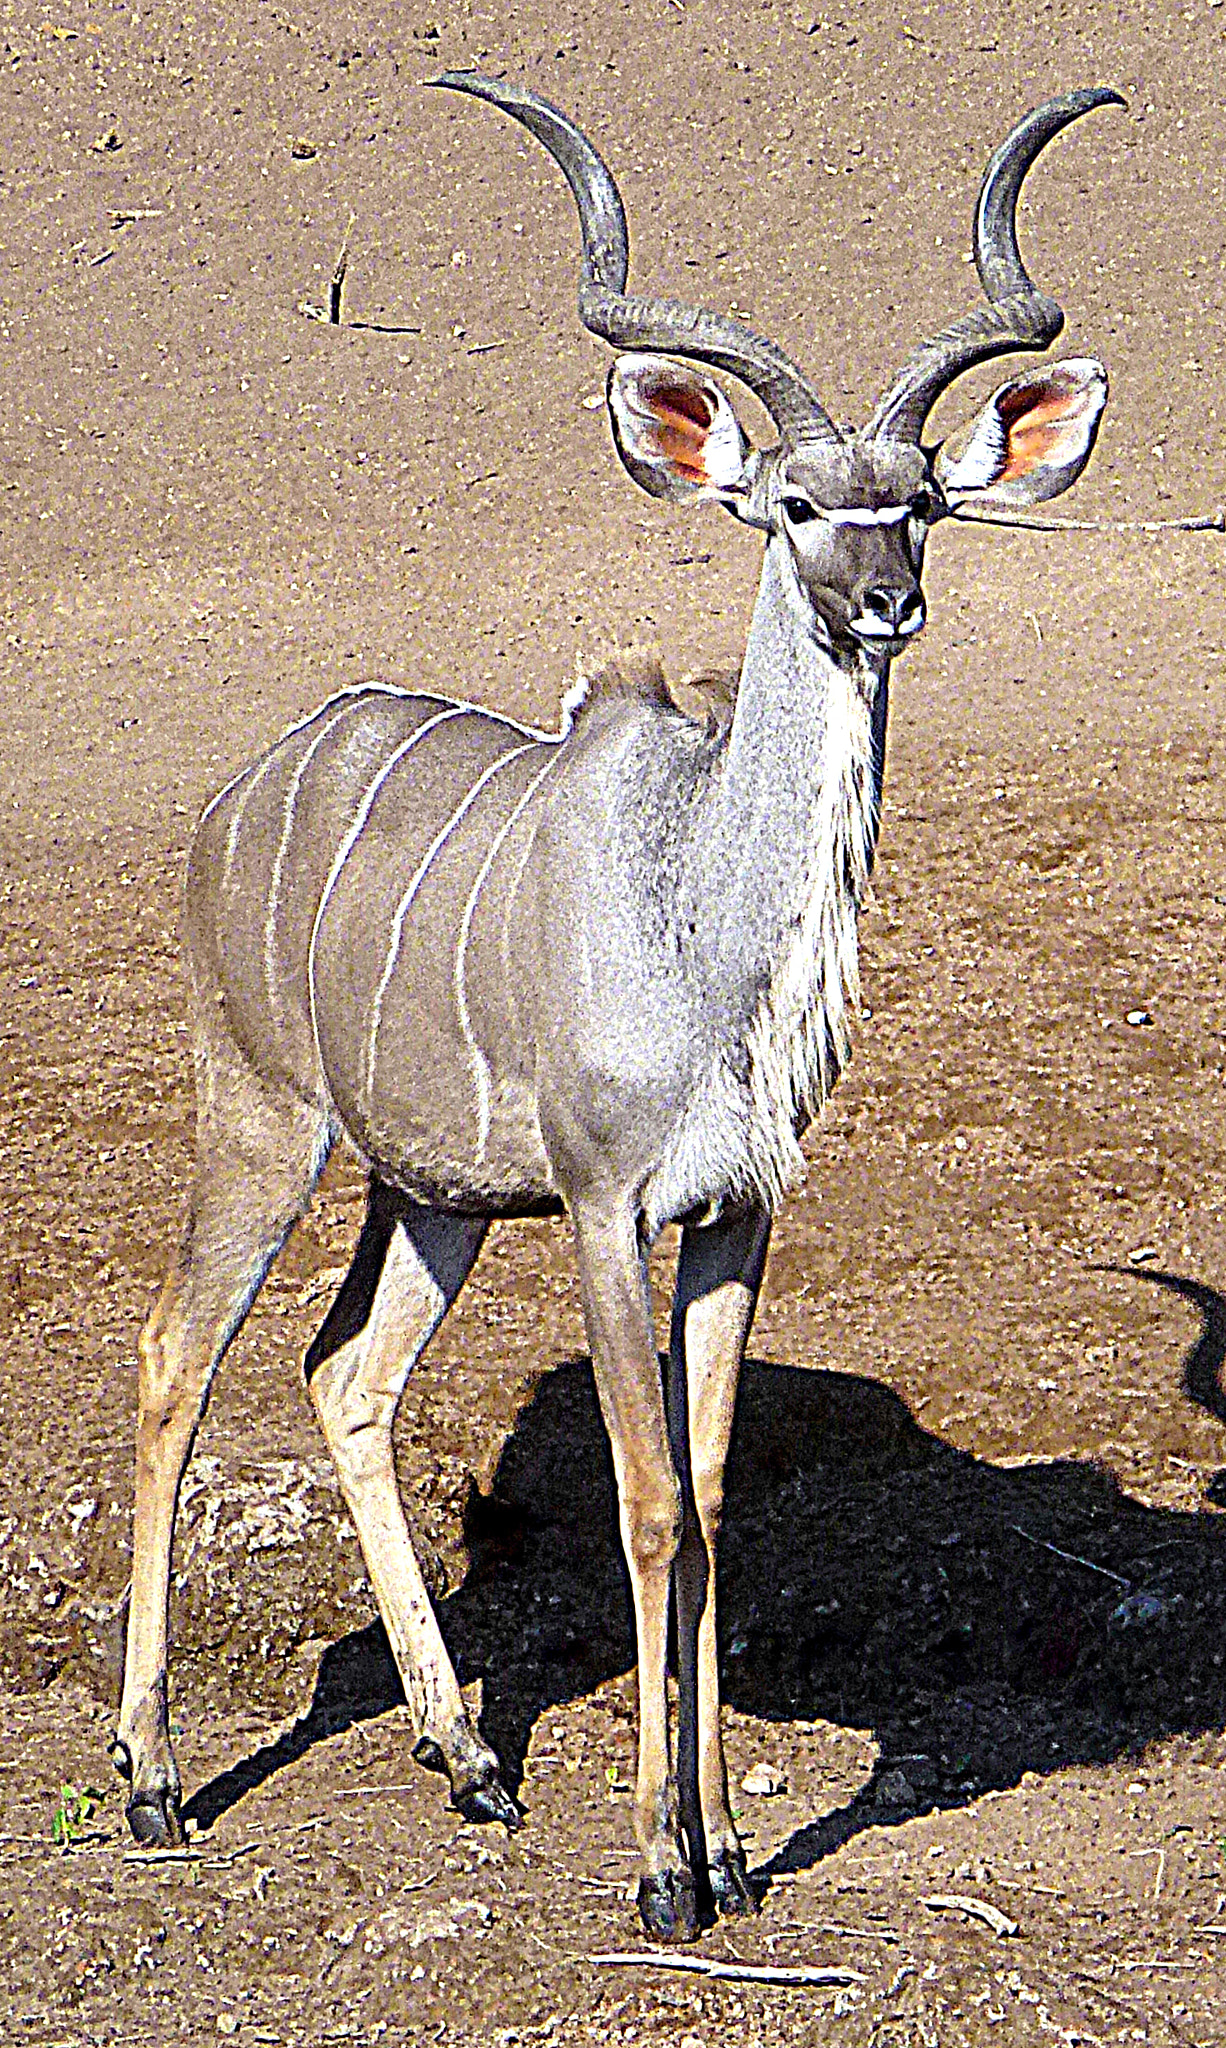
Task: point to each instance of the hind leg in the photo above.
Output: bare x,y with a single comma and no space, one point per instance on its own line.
259,1155
410,1264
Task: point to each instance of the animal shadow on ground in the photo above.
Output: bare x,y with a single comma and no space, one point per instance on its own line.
982,1621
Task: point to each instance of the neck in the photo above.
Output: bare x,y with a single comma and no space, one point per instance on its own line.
794,829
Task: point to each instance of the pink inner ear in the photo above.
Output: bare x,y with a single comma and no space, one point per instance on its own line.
681,422
1036,426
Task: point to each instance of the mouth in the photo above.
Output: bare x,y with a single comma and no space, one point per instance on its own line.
887,646
877,638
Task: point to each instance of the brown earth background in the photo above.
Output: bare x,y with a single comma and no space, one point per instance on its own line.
973,1592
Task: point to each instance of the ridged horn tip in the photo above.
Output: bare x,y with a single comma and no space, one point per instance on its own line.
1018,315
606,244
997,257
635,322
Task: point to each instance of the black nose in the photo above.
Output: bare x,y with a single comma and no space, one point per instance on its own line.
901,610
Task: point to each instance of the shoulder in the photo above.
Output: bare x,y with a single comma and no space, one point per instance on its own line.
635,681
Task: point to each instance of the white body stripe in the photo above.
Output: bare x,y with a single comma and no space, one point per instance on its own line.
384,690
530,732
479,1063
351,838
300,725
278,866
406,903
240,812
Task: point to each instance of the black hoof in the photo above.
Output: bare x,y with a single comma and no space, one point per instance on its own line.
155,1820
427,1753
489,1801
668,1907
730,1888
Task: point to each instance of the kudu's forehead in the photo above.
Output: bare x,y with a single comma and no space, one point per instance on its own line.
853,474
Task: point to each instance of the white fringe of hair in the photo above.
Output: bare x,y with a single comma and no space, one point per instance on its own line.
736,1138
800,1039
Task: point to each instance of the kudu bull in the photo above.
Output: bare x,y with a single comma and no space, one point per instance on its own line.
605,971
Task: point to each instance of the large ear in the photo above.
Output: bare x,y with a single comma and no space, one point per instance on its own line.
1033,437
675,431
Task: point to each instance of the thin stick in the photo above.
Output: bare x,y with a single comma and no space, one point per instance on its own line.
741,1973
353,1791
859,1933
1212,522
975,1909
608,1886
337,286
149,1857
1069,1557
190,1855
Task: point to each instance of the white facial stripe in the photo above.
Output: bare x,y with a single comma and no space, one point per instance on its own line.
860,515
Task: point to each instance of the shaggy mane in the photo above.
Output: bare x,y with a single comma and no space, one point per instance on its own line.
706,698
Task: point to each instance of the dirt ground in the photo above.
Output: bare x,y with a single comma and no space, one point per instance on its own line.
972,1580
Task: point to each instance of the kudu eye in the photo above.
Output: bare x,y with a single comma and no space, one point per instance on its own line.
798,510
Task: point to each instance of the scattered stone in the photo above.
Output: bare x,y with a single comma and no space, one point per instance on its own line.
894,1788
1140,1610
452,1922
763,1782
328,1278
1137,1018
921,1773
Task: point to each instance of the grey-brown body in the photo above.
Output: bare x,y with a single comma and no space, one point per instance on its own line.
381,910
606,970
341,897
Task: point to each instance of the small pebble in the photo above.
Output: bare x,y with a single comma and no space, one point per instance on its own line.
894,1788
1138,1610
1138,1017
763,1782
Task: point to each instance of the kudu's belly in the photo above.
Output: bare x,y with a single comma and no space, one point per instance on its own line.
353,895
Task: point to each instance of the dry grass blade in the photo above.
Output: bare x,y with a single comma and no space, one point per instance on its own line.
337,286
1208,522
191,1854
741,1973
1070,1557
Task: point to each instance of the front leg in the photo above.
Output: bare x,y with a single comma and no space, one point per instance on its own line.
719,1272
617,1310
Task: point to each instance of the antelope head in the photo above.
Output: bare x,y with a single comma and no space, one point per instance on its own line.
848,510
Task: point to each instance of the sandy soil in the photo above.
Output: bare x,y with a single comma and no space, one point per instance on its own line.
973,1593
